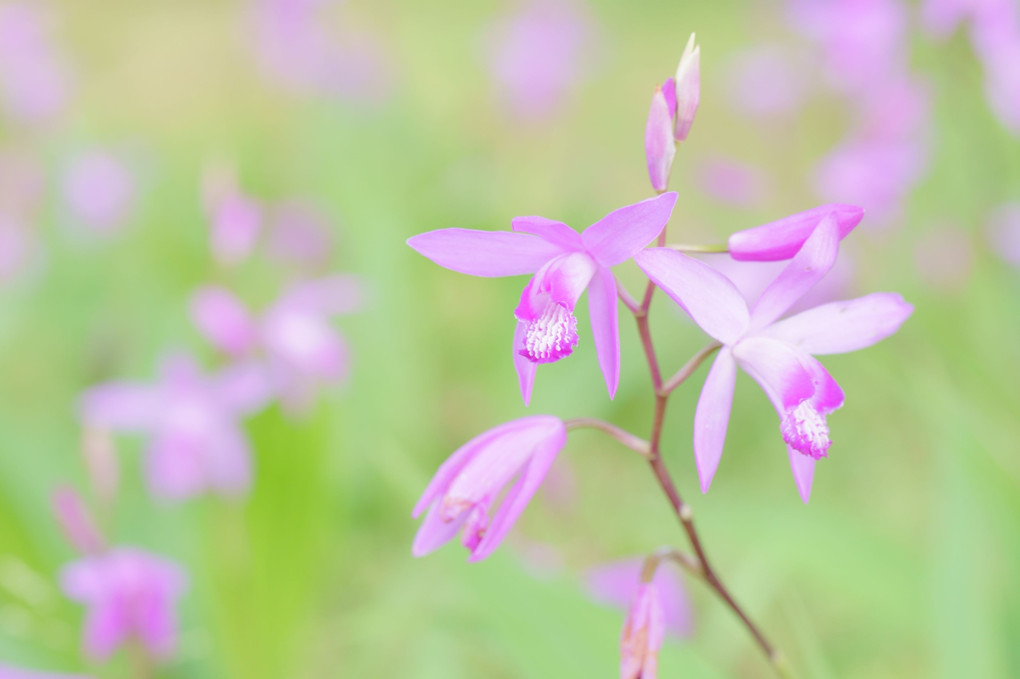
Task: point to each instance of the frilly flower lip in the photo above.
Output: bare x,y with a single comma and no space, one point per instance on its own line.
564,264
778,354
464,493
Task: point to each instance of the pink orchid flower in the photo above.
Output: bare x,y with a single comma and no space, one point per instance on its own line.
130,595
783,238
467,485
619,583
778,355
196,442
295,335
642,636
564,264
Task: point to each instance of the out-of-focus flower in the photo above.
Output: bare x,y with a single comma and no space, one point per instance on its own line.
300,236
642,635
537,55
196,442
19,244
21,190
618,584
131,596
564,264
100,191
778,355
33,78
76,521
731,181
234,218
295,49
944,258
767,80
469,483
8,672
783,238
1004,232
295,335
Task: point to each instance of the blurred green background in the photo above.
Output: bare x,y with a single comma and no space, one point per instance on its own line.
904,564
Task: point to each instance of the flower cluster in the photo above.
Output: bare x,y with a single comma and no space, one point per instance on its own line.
775,349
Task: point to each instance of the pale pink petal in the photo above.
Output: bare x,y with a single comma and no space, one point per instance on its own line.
602,306
485,253
120,406
525,368
839,327
783,371
808,267
557,233
106,628
706,295
783,238
223,320
660,148
624,232
175,466
243,388
434,531
803,467
561,280
713,416
228,461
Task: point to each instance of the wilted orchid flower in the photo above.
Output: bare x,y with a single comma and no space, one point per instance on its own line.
671,115
783,238
618,584
537,55
466,486
778,355
564,264
642,635
295,335
196,442
131,596
99,191
33,78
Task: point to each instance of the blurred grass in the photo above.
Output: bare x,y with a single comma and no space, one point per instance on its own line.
903,565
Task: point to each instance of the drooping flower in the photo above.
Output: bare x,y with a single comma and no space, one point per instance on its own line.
99,191
671,115
642,636
295,335
776,354
130,595
465,489
783,238
619,583
537,55
196,442
564,264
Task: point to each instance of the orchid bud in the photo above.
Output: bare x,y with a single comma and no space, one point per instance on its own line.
688,89
659,145
642,635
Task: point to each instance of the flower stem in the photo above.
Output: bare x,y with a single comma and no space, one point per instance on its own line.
682,509
638,445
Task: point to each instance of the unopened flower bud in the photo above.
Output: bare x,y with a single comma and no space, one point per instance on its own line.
688,89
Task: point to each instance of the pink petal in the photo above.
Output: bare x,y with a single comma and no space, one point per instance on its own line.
782,370
624,232
562,279
713,416
434,532
223,320
803,467
484,253
706,295
808,267
557,233
617,584
174,466
120,406
228,462
525,368
243,388
106,628
783,238
602,307
660,148
544,454
839,327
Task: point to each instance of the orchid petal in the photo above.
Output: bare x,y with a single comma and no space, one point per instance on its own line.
557,233
783,371
121,406
660,148
563,279
544,454
839,327
803,467
617,584
435,532
713,416
603,310
806,268
624,232
706,295
525,368
484,253
105,629
223,320
783,238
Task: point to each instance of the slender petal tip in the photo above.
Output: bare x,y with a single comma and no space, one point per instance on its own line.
783,238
